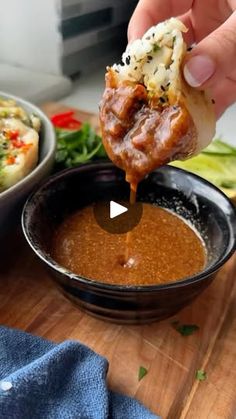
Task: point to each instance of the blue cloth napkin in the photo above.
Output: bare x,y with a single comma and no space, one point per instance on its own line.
40,379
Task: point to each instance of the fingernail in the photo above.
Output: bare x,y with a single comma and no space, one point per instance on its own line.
198,70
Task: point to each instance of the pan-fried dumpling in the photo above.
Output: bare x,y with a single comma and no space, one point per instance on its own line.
149,115
18,151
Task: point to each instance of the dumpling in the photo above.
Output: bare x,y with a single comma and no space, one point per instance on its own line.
149,115
18,151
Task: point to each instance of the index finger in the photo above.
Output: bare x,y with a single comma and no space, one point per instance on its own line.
151,12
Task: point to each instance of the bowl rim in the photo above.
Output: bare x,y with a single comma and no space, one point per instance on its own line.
52,145
202,275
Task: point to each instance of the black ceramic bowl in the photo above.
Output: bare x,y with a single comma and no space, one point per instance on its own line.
196,200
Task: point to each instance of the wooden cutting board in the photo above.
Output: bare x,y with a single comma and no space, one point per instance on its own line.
30,301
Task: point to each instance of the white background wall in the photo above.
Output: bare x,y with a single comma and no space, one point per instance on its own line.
29,34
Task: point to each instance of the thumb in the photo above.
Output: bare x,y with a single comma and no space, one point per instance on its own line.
214,57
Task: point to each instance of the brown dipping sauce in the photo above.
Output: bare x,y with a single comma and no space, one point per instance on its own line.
163,248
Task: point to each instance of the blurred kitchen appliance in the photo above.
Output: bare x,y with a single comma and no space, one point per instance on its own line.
93,32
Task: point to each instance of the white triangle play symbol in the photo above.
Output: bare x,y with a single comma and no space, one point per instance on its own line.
116,209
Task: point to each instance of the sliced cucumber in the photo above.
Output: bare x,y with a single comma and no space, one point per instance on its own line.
217,164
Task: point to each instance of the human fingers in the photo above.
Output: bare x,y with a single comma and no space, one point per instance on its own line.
224,95
150,12
214,58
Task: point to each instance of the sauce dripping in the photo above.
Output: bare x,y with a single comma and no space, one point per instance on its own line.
128,259
140,133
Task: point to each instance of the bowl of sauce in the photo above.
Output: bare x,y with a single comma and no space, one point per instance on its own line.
153,254
142,272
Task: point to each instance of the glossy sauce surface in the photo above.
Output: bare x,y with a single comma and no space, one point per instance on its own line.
162,248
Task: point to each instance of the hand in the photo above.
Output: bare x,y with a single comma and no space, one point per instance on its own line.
212,26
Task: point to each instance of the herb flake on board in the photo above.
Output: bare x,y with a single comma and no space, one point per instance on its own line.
142,372
185,329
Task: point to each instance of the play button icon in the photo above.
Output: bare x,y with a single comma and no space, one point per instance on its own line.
117,217
116,209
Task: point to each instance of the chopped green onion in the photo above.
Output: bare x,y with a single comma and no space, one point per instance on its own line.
185,329
142,372
201,375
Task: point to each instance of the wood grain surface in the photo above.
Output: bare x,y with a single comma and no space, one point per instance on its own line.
31,301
